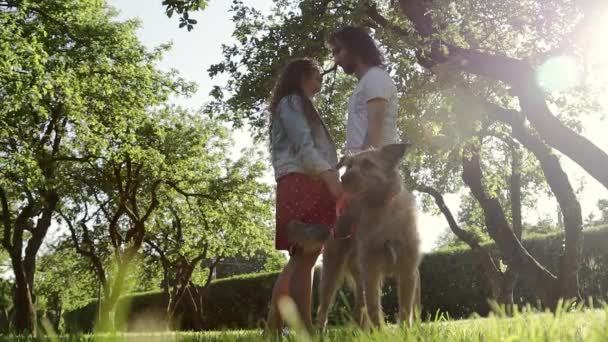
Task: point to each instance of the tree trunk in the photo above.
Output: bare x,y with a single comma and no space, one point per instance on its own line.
515,191
195,294
107,320
514,253
24,267
25,310
505,296
578,148
564,193
183,289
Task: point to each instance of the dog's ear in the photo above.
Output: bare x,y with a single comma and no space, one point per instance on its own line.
393,153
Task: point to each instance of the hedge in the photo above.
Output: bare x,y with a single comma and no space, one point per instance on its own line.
452,284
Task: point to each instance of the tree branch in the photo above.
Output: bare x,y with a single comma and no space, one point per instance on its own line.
97,264
184,193
485,259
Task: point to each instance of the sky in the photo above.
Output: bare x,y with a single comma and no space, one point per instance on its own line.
193,52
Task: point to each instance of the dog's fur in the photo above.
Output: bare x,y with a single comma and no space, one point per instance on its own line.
385,242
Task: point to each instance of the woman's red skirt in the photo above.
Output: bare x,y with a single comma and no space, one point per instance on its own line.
302,198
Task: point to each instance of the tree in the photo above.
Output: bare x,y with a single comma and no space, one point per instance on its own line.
171,186
451,95
69,78
63,283
119,194
220,210
538,24
507,185
602,206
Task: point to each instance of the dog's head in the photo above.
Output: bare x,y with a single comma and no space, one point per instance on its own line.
373,174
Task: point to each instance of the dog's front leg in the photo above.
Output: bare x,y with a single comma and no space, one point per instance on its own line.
418,297
359,312
335,255
371,280
408,288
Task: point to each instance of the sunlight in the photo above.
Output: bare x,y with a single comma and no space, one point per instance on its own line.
597,42
559,73
599,58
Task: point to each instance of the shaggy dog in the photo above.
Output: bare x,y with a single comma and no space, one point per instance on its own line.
385,242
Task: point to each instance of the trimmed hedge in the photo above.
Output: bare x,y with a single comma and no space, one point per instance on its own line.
452,283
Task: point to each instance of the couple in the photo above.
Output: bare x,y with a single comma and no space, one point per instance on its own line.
304,156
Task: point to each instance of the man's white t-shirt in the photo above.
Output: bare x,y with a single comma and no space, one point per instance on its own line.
376,83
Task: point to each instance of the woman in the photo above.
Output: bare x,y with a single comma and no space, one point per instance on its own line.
304,159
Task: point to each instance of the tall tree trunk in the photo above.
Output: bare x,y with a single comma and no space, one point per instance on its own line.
24,267
564,193
507,286
25,310
513,251
510,276
515,191
107,320
183,289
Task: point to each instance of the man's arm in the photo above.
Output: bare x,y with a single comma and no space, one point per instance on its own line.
376,110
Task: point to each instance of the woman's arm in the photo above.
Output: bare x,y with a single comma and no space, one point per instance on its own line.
299,134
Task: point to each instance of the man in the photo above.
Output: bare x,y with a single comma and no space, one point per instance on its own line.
372,108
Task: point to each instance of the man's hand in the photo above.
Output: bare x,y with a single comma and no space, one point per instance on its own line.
376,109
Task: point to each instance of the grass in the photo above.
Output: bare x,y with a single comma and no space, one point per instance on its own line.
578,325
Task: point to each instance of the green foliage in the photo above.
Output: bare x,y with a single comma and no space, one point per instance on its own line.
64,281
452,285
264,44
184,8
76,87
542,227
220,205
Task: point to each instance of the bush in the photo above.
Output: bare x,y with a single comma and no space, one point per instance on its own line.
452,283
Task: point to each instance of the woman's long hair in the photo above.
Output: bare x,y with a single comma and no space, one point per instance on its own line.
289,83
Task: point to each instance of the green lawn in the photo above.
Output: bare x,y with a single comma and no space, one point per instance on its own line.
589,325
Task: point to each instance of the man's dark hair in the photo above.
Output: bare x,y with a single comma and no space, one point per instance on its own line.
359,43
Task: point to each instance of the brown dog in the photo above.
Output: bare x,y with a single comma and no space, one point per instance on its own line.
385,241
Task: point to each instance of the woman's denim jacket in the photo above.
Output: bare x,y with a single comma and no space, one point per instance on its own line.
300,144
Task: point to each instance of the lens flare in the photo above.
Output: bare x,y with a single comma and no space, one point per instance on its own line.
559,73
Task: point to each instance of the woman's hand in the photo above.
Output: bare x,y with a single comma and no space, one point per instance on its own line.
332,179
